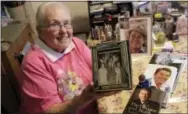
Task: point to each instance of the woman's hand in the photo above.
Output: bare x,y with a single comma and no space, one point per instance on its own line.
88,95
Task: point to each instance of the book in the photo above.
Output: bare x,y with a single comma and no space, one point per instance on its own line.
145,101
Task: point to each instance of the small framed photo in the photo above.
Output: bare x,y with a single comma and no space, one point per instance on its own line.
111,66
140,35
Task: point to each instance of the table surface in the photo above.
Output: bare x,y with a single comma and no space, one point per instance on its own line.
178,100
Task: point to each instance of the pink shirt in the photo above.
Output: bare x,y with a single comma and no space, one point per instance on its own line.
50,77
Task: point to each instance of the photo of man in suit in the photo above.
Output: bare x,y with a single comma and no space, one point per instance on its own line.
159,79
143,104
143,101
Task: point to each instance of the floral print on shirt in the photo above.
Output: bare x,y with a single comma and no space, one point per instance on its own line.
69,85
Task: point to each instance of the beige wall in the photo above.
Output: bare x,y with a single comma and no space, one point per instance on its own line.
79,13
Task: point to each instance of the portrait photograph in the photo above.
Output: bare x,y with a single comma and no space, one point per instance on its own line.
160,76
111,67
139,35
144,101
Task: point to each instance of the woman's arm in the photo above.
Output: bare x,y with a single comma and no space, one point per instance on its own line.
74,105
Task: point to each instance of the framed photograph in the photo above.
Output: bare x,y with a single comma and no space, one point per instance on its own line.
140,35
111,66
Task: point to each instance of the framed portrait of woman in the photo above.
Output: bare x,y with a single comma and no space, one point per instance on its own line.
139,35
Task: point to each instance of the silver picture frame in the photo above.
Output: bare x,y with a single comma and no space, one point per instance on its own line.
111,66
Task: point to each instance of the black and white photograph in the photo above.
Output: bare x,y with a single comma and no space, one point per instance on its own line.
144,101
167,58
139,35
112,70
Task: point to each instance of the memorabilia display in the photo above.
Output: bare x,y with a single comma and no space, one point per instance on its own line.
163,73
140,37
106,19
111,66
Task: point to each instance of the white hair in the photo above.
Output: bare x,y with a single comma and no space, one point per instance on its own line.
40,15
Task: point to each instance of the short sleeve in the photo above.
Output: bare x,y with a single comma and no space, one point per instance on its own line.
87,55
84,50
38,86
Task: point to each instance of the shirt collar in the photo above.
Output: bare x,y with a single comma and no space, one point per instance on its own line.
51,54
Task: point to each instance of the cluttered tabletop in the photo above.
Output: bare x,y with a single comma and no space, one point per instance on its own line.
178,99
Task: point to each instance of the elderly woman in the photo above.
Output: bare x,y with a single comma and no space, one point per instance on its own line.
57,70
137,39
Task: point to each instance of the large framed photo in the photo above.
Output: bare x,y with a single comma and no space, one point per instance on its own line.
111,66
140,35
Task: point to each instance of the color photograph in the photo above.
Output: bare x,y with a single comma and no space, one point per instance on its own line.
139,35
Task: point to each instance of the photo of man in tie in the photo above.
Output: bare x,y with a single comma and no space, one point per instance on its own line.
142,104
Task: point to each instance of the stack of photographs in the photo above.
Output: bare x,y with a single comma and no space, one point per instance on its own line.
156,84
168,59
163,72
111,66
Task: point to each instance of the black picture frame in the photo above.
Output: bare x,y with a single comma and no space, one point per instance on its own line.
111,66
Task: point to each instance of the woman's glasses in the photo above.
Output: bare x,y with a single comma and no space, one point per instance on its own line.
57,26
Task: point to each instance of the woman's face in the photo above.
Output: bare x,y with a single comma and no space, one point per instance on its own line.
136,41
58,33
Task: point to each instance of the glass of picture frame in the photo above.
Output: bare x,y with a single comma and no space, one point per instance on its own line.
111,66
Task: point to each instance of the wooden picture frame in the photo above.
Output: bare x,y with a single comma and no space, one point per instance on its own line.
111,66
